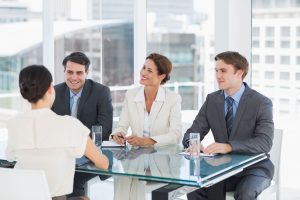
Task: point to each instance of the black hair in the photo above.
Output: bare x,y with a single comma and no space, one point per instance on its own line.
79,58
34,81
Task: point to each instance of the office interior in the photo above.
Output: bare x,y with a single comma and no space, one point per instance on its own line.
117,35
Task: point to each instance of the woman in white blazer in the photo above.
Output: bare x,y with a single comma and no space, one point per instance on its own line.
152,112
154,115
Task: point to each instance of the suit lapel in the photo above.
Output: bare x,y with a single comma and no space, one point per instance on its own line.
220,111
240,110
66,101
84,96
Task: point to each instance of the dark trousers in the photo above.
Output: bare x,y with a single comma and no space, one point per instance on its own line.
247,187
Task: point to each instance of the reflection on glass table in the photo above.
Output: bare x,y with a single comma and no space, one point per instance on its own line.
146,161
163,164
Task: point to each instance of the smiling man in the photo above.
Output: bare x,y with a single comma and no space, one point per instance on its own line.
84,99
241,121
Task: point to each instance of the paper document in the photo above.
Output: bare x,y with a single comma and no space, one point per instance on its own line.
201,154
111,144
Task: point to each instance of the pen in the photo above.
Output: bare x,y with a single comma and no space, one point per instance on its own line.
122,137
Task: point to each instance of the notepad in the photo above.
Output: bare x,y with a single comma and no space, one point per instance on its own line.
201,154
111,144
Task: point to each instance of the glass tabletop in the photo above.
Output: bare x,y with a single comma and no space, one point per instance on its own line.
163,164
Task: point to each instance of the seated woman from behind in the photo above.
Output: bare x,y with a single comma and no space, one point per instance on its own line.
40,139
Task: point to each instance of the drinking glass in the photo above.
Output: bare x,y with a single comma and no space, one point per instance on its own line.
194,147
97,135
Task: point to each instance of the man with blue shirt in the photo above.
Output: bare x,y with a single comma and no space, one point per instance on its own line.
241,121
84,99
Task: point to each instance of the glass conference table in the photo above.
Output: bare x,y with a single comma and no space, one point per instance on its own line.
165,165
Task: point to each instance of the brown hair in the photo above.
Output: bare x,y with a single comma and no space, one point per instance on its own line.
234,58
163,65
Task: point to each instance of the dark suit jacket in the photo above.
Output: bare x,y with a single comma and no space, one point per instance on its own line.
95,106
252,131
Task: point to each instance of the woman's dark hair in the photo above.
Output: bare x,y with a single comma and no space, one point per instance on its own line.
163,64
34,81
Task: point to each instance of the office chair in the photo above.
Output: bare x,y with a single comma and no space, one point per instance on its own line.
275,154
16,184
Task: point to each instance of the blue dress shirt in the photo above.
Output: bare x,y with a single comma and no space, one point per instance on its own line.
72,98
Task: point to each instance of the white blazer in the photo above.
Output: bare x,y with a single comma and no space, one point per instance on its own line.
164,118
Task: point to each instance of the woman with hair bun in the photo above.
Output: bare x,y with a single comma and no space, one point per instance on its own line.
41,139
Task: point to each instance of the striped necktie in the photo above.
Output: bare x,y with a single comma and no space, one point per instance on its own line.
229,115
74,106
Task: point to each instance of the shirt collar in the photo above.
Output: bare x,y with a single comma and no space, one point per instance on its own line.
140,97
237,96
78,94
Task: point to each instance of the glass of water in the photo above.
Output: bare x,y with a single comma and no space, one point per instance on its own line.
195,145
97,135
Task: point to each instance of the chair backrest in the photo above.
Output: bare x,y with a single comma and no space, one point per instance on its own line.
18,184
275,153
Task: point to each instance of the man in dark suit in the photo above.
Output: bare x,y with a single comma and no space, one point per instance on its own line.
84,99
241,121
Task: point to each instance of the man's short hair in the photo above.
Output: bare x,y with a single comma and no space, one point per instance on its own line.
79,58
234,58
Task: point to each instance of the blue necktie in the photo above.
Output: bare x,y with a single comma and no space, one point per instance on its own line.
229,115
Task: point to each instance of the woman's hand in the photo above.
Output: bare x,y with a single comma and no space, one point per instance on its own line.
119,138
139,141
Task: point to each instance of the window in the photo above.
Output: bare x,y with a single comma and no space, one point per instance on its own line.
269,75
255,43
255,58
298,103
284,87
255,74
105,35
285,31
270,31
298,31
285,44
20,47
269,43
171,31
298,44
284,101
284,76
269,59
108,44
297,60
285,60
297,76
255,31
269,86
283,112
